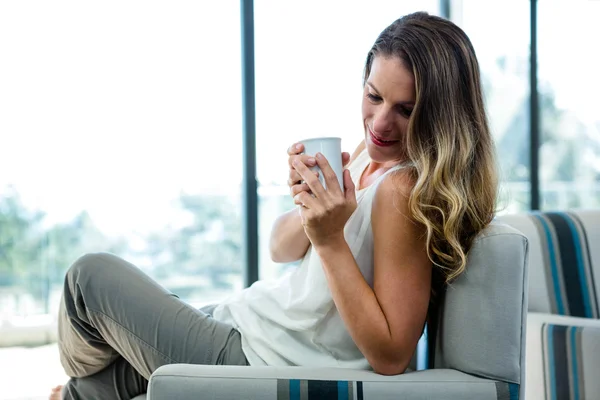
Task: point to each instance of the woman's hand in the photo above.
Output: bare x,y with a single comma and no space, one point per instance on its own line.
295,180
324,213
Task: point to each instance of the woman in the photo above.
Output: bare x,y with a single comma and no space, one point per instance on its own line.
417,190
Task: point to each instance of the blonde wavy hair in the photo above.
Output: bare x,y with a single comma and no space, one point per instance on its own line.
448,140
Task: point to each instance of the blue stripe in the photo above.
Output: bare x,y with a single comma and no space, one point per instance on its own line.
513,390
294,389
580,265
342,390
423,352
550,346
575,383
553,267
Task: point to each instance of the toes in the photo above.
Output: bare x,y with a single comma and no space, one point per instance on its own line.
55,395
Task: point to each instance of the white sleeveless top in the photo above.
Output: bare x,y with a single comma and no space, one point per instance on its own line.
293,320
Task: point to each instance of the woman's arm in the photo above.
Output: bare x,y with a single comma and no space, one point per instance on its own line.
288,241
385,322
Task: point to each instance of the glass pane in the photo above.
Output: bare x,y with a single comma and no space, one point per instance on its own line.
569,104
503,56
113,117
309,62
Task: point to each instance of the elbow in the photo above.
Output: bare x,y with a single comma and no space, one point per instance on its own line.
389,370
276,258
273,253
390,366
282,258
279,256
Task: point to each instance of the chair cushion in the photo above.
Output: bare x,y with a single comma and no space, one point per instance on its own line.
482,318
571,363
178,382
564,262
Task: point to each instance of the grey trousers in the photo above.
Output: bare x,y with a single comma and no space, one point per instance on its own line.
117,326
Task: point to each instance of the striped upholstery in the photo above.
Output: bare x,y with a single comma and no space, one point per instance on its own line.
508,391
571,362
302,389
564,261
179,382
567,263
296,389
564,286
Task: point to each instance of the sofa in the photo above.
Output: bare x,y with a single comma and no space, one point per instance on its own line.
563,326
478,351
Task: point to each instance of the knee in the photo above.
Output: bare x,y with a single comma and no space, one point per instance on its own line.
89,267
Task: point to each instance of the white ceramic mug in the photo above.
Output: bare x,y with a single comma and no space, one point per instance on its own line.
331,148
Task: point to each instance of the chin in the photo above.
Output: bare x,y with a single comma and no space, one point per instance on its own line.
377,154
383,155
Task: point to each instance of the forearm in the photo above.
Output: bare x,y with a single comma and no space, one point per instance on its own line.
360,310
288,240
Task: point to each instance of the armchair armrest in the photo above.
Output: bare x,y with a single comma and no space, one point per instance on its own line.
183,381
562,356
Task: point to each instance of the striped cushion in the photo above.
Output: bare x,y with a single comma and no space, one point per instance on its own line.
564,260
567,264
182,381
508,391
571,362
300,389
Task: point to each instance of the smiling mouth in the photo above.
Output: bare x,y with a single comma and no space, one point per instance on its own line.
381,142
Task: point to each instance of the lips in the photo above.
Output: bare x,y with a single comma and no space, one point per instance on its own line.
380,142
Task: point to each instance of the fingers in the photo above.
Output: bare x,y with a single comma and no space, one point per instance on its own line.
349,187
306,159
296,148
295,178
345,158
309,178
295,152
331,180
300,187
305,200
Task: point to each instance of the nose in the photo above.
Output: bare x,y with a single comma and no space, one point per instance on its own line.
383,122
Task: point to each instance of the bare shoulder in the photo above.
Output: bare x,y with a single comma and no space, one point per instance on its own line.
394,191
391,206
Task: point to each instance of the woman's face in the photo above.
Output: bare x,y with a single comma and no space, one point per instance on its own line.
388,100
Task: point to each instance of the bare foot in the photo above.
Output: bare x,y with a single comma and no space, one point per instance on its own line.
55,395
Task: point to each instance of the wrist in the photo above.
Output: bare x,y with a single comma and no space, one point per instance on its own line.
332,246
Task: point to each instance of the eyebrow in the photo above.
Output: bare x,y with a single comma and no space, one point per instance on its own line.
400,103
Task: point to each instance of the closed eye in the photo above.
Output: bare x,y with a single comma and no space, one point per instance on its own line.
374,98
405,111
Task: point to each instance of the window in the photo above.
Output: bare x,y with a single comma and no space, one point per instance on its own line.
568,68
503,54
309,64
121,131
